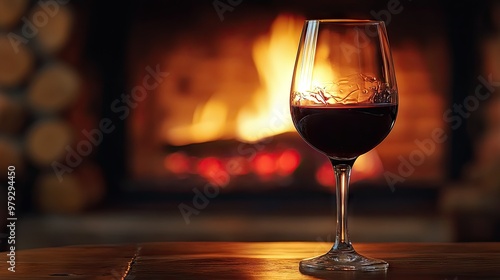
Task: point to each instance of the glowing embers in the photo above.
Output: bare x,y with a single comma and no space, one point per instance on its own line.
368,166
266,166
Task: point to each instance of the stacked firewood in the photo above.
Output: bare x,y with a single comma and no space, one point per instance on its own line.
43,106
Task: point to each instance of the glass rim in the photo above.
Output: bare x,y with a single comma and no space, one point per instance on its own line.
348,21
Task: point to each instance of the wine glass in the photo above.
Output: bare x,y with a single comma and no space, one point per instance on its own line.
343,103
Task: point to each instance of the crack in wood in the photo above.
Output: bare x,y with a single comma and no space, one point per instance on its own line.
126,274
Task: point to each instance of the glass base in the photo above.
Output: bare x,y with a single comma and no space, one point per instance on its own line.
336,260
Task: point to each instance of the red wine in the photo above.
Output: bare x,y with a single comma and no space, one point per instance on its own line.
344,131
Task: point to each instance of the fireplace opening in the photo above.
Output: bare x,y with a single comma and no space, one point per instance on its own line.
222,114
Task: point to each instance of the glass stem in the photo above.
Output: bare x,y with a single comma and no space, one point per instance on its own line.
342,176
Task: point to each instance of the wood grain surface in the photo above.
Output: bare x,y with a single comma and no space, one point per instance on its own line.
230,260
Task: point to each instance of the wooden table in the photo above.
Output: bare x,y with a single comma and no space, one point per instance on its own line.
229,260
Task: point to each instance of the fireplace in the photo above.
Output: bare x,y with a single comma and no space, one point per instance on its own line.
222,116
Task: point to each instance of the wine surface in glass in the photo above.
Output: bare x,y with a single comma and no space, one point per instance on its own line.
344,131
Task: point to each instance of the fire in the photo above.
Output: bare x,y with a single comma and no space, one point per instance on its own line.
209,122
266,111
274,57
263,113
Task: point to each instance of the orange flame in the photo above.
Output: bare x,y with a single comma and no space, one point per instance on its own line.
208,124
274,58
266,112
